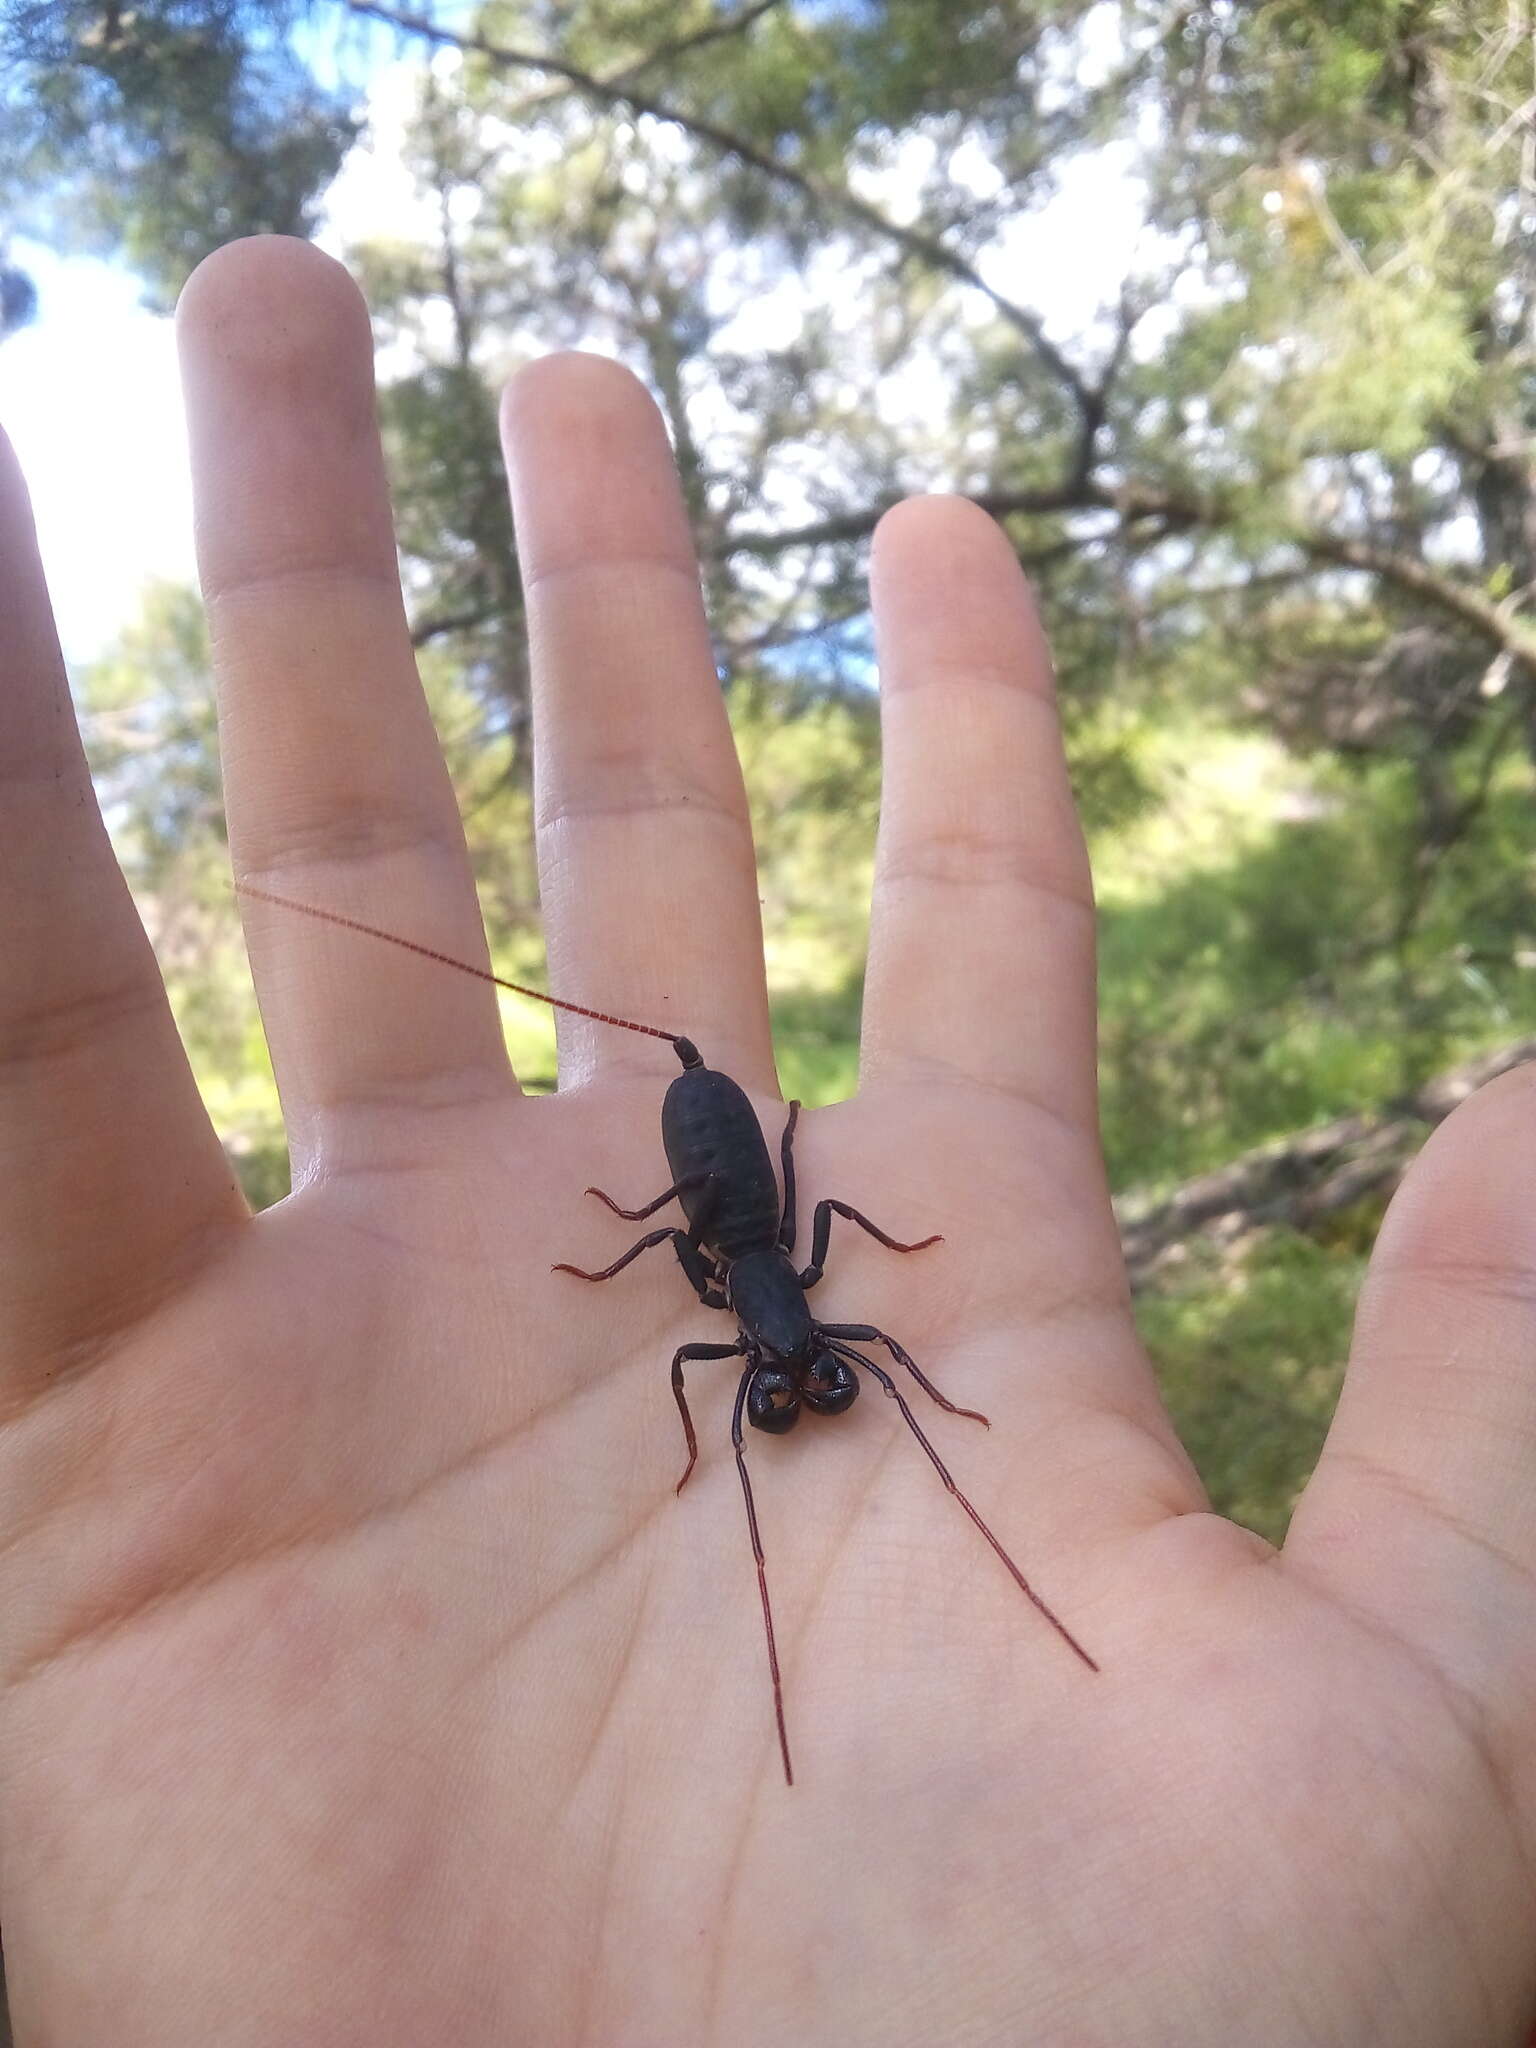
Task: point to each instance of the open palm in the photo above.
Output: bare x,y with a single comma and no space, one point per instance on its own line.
365,1682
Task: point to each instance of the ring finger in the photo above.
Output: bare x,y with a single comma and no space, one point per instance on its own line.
981,944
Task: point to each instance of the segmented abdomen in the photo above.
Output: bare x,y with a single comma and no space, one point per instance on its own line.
709,1127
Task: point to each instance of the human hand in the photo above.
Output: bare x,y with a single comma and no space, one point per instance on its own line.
365,1683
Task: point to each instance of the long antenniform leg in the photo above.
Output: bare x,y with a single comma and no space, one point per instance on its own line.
866,1333
821,1233
687,1351
762,1573
890,1386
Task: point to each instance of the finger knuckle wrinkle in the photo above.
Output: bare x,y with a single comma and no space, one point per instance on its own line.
568,572
288,569
74,1021
619,790
971,859
1506,1279
1004,676
346,835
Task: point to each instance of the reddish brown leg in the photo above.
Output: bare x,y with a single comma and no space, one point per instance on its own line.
866,1333
762,1573
821,1232
942,1469
654,1237
700,1268
687,1351
684,1186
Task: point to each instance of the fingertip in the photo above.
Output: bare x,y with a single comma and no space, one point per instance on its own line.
943,540
949,595
943,519
1429,1455
276,311
590,466
1467,1205
574,394
275,267
277,366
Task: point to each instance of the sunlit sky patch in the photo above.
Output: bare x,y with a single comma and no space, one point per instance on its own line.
90,398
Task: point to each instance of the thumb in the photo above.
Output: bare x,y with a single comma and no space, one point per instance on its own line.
1422,1511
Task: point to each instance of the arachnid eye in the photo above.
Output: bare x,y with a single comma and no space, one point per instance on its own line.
773,1401
831,1386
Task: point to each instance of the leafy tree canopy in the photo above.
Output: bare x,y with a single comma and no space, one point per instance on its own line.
161,129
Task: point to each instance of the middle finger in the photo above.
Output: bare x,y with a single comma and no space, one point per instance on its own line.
646,867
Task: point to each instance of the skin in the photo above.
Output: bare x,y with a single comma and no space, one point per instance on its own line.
363,1681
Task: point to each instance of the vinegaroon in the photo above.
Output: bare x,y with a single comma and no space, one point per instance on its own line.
736,1254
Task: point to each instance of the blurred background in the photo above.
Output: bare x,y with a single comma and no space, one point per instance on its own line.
1223,310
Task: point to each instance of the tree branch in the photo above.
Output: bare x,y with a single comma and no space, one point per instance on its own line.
1496,621
426,630
664,53
1129,501
1302,1179
713,32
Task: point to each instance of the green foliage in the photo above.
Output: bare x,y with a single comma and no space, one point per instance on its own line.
813,778
1249,1349
163,128
1259,967
1336,396
147,713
